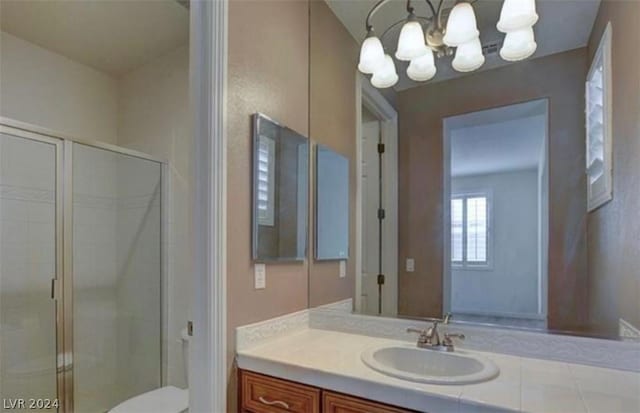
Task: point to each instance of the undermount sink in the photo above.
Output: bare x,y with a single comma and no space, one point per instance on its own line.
428,366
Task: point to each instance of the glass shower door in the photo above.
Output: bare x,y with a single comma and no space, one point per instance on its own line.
28,263
117,277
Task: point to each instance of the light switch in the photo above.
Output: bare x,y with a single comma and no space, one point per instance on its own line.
260,276
410,265
343,268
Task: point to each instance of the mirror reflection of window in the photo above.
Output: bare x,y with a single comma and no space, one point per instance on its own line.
469,230
266,174
598,115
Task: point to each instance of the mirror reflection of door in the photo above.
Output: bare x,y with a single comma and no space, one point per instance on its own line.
378,183
497,186
370,199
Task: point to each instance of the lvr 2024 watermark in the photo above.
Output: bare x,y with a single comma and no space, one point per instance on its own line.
31,404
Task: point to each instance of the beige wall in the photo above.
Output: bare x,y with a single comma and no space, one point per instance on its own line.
614,246
560,78
332,122
269,73
49,90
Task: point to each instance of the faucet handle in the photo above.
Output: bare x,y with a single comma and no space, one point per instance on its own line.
446,318
448,336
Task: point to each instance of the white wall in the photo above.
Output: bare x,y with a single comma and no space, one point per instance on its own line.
510,286
154,118
52,91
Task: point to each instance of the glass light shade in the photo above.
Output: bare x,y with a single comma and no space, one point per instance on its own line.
371,55
517,14
386,76
411,43
518,45
462,26
422,68
468,57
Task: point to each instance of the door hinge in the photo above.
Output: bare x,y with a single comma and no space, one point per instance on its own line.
381,148
380,279
190,328
381,214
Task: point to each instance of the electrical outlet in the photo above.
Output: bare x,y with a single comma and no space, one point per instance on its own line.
410,265
343,268
260,276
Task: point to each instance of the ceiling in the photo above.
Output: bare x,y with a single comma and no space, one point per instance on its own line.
563,25
498,140
111,36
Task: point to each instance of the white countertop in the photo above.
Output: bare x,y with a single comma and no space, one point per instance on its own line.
331,360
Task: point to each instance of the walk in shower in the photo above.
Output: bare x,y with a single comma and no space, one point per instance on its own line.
81,271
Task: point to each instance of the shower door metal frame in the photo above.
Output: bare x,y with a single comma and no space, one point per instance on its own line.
57,291
62,284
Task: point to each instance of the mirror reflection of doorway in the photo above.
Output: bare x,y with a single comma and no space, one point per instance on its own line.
377,238
496,178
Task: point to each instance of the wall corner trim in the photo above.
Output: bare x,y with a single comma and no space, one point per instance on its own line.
208,66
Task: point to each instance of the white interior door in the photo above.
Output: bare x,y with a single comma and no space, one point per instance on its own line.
370,197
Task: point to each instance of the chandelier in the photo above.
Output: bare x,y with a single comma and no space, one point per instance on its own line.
423,37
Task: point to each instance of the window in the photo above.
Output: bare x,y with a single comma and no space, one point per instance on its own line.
470,230
266,174
598,123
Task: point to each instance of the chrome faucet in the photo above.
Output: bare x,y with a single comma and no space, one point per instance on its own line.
430,338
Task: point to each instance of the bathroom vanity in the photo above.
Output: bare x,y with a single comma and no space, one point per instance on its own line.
304,363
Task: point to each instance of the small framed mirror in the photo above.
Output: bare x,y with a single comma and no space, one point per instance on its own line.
332,205
280,192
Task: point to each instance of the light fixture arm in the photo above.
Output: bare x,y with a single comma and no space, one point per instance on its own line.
436,13
433,10
374,9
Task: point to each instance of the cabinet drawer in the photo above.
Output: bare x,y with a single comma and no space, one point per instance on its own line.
339,403
263,394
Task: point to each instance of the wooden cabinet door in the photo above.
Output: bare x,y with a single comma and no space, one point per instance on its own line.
339,403
265,394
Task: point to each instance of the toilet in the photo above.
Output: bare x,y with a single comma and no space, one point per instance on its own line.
167,399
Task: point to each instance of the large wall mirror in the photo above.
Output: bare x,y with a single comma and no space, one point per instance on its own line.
280,192
482,175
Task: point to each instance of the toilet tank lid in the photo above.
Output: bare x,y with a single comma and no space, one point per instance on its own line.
169,399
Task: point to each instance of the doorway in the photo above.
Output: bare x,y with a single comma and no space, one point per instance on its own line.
496,217
376,203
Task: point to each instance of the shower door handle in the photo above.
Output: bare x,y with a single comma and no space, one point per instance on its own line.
54,288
